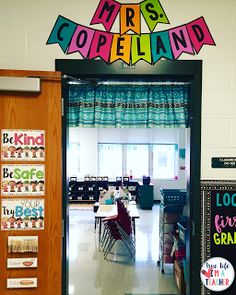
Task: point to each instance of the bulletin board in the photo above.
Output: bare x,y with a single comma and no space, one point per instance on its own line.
218,232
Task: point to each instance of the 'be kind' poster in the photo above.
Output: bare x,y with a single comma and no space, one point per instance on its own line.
23,180
25,214
22,145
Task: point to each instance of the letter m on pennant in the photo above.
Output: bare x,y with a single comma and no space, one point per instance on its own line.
106,13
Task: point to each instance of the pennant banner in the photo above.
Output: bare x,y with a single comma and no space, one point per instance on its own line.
153,13
130,19
106,13
130,48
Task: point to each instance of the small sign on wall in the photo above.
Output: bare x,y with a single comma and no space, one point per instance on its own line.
22,145
13,283
30,262
23,180
218,233
223,162
22,244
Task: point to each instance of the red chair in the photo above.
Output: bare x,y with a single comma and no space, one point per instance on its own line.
116,228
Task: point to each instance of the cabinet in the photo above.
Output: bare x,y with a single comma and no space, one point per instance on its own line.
145,196
171,208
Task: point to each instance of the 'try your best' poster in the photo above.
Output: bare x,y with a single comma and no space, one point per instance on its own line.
25,214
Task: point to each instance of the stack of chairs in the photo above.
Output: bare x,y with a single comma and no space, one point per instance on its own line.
118,228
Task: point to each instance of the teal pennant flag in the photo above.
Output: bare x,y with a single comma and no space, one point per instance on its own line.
62,32
160,46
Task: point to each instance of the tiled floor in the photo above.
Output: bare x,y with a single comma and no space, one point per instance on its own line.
90,274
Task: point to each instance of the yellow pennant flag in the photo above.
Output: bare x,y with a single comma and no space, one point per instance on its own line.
120,48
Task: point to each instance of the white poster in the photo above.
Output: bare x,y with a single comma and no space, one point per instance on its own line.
23,180
22,214
22,145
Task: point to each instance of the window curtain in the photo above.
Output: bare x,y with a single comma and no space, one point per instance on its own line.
120,106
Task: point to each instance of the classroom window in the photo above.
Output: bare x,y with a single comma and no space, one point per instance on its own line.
156,160
73,159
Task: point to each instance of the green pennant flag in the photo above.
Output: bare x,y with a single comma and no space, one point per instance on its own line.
153,13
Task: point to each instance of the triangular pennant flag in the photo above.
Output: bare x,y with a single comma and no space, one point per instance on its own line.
101,46
199,34
121,48
160,43
130,18
106,13
153,13
81,41
141,48
62,32
180,41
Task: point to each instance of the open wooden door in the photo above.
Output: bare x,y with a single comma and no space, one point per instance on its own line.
36,115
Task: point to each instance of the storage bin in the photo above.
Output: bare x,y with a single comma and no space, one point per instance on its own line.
182,232
173,196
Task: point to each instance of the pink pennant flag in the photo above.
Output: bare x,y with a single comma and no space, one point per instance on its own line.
81,40
106,13
180,41
199,33
101,45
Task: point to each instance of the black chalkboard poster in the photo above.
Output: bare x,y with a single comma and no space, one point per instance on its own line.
218,221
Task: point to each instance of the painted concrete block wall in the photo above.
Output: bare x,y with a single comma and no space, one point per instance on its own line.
26,25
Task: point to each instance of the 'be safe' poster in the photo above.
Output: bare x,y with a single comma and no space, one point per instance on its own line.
23,180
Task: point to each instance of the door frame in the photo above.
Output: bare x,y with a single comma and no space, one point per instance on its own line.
191,70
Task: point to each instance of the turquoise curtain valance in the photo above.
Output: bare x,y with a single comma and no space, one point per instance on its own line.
129,106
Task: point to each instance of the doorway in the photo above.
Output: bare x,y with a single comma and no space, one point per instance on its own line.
188,70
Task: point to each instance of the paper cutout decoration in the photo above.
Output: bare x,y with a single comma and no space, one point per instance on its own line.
180,41
121,48
62,32
81,41
101,45
161,47
106,13
199,34
141,48
130,19
130,45
153,13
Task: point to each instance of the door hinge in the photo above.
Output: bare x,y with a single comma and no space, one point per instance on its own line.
193,228
62,228
62,107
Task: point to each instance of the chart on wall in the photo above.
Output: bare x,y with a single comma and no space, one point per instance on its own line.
22,145
23,180
218,214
